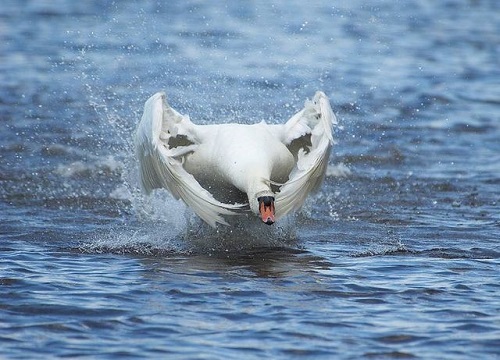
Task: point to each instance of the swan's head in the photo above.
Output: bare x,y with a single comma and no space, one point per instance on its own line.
262,204
266,209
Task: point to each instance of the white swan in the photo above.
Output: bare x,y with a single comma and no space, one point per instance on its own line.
226,169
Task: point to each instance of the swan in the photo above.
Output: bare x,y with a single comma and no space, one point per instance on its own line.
222,170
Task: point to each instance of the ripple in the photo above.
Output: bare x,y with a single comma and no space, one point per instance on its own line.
454,253
390,355
400,339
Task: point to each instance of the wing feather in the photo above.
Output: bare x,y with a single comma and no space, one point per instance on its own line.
161,164
310,131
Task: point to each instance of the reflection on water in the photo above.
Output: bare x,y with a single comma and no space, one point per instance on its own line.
260,262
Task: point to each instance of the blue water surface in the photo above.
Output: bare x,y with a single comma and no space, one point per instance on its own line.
398,254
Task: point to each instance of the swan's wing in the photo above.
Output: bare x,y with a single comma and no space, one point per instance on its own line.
308,135
162,139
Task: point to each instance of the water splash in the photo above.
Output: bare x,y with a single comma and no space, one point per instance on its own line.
165,226
152,239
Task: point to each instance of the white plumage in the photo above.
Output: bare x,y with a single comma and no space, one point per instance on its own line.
227,169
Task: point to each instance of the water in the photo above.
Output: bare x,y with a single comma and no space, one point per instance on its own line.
396,257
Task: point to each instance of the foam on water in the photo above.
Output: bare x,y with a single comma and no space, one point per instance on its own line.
163,225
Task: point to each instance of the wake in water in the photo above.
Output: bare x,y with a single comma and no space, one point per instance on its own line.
164,226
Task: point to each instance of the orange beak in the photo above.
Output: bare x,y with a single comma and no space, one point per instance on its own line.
266,209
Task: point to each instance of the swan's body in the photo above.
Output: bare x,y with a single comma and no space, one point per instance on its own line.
227,168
